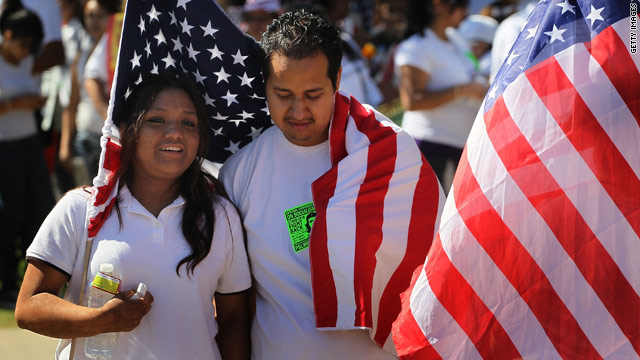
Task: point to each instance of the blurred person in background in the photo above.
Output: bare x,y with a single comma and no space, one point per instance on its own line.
500,9
25,189
506,35
257,15
356,76
437,86
82,125
478,31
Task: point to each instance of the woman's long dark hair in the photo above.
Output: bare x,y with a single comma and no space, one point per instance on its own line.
421,14
200,190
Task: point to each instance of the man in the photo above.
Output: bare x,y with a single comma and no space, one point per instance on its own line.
327,295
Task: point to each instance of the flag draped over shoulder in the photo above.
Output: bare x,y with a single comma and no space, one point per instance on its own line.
537,251
377,210
192,37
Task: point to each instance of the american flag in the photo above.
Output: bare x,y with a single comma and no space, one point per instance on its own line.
196,38
537,251
377,212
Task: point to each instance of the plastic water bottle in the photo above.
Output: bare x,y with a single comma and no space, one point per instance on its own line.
104,286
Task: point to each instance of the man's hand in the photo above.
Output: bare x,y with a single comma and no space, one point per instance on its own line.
123,314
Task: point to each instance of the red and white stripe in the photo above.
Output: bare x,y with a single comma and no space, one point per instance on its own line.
536,255
377,214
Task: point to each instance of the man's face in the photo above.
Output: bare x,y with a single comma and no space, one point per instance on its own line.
300,97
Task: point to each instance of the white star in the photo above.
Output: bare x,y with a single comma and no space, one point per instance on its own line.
512,57
222,75
215,53
173,18
566,7
160,37
266,109
127,93
255,133
217,132
155,69
186,28
139,79
199,78
148,49
555,34
245,115
231,98
177,45
141,25
246,80
492,92
153,14
237,122
219,116
255,96
233,147
169,61
136,60
182,3
238,58
208,100
532,32
192,52
208,30
594,15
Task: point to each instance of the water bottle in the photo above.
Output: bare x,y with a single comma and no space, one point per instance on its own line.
103,288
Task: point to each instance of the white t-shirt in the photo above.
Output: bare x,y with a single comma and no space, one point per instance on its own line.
14,81
447,66
265,178
96,66
181,323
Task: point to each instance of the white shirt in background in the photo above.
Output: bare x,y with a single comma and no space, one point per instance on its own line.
447,66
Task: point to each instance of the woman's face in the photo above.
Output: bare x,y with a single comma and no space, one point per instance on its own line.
168,137
95,19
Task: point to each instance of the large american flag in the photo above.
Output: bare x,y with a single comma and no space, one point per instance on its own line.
537,251
377,212
196,38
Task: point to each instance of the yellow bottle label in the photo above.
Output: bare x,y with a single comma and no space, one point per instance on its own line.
106,283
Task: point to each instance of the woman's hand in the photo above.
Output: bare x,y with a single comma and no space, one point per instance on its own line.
124,314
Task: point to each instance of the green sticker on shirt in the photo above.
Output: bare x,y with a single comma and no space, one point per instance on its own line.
299,221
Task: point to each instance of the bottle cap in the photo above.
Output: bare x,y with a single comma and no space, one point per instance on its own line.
106,268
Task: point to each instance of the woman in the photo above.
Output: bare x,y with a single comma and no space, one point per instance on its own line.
82,122
437,85
25,191
172,229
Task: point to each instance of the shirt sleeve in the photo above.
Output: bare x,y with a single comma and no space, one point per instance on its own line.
58,240
236,275
413,52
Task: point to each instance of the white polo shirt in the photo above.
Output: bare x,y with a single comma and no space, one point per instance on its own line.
181,323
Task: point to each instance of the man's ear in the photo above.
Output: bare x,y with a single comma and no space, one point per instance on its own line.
338,78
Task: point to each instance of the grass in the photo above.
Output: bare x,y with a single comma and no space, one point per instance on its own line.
6,318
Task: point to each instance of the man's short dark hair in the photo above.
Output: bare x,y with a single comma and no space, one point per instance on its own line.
301,34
